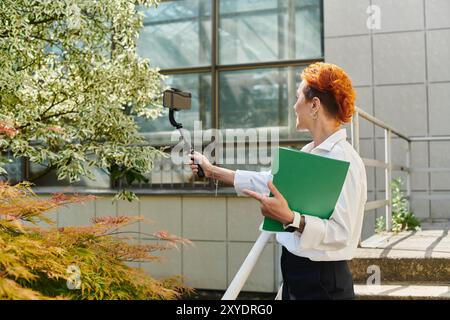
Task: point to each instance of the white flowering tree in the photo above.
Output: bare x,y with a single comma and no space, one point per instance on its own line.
71,85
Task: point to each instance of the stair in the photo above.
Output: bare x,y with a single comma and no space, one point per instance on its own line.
435,224
402,292
412,265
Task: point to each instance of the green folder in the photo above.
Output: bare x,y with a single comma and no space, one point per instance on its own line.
311,184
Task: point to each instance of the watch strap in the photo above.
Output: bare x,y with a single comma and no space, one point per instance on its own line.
295,223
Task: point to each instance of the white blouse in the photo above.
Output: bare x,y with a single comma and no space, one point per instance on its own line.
323,240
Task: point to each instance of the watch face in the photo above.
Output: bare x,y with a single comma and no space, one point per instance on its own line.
290,229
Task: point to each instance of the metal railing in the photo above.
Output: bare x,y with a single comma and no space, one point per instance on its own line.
387,164
242,275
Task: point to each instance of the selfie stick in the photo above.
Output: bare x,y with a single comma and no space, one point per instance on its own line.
179,126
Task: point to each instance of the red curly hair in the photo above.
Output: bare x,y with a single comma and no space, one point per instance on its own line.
333,87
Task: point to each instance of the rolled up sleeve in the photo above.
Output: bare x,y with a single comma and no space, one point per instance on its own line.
252,180
334,233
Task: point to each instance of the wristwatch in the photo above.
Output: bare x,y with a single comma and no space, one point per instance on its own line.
295,225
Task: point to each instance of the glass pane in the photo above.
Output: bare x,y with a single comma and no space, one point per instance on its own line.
234,6
14,168
199,85
258,98
269,30
248,157
173,10
41,178
308,30
177,34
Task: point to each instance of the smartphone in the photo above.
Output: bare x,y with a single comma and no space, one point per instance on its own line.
177,99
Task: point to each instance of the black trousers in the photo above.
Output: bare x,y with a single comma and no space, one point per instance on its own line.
304,279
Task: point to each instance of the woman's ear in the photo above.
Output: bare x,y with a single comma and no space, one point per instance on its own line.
315,105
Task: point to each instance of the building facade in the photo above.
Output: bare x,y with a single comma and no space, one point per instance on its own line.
241,60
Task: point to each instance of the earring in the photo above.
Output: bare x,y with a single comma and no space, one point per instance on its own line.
314,115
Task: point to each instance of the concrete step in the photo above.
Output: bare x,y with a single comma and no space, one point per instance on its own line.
435,224
410,257
399,267
402,292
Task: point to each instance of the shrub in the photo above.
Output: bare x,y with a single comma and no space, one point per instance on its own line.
73,262
402,218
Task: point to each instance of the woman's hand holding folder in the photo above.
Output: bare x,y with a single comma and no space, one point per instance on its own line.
275,207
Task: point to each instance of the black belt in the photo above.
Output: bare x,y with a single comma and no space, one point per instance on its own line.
304,279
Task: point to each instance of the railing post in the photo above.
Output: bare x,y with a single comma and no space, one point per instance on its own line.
355,131
355,141
352,129
241,276
388,177
408,174
278,274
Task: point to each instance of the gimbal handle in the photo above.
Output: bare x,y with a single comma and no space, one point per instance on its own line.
200,173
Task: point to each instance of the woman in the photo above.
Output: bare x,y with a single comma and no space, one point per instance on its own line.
315,252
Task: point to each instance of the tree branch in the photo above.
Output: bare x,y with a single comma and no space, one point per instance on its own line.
48,117
49,19
52,105
41,174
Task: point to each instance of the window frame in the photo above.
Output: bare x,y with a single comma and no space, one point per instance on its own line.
215,69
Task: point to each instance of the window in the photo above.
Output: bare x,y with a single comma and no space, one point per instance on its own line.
256,31
257,98
41,176
240,59
177,34
199,85
13,168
